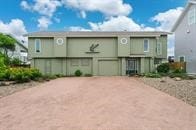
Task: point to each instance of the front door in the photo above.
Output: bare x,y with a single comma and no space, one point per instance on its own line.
131,66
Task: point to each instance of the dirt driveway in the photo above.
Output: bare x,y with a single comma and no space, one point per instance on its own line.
112,103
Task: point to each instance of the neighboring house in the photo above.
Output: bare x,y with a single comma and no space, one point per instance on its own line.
97,53
185,37
20,51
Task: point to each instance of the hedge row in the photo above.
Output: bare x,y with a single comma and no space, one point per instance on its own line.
19,74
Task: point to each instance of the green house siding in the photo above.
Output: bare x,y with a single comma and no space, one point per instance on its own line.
83,64
80,47
96,55
108,67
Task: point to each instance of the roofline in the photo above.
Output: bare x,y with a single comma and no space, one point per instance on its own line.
191,2
97,33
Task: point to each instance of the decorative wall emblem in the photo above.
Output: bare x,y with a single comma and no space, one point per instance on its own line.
123,41
59,41
92,48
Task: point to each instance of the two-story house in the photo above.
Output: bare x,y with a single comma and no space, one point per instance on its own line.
185,37
97,53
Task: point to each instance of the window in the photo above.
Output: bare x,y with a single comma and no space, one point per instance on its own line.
74,62
85,62
37,45
192,17
182,58
146,45
159,48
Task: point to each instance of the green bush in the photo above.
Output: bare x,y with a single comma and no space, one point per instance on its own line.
180,75
16,62
179,71
163,68
78,73
152,75
21,74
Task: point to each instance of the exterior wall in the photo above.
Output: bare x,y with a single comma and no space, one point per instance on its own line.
83,64
108,58
123,49
47,48
137,47
79,47
185,43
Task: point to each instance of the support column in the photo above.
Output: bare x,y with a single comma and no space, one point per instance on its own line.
142,65
123,67
95,67
64,65
152,68
32,63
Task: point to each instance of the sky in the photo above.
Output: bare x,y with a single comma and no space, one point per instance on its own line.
19,17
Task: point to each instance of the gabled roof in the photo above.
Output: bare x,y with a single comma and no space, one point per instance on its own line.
18,42
190,2
97,34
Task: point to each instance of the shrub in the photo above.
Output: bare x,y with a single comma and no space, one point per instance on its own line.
179,71
22,74
152,75
48,77
35,74
16,62
163,68
180,75
78,73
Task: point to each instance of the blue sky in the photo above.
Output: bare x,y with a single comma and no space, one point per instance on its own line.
22,16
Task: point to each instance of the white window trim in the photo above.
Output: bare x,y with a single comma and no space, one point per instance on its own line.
190,13
159,53
148,45
39,45
182,56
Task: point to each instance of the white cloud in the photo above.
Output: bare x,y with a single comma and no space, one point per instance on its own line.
78,28
15,27
164,20
83,14
43,7
46,8
119,23
107,7
44,22
167,19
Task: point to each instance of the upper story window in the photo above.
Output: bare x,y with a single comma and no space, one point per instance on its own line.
192,17
146,45
159,48
37,45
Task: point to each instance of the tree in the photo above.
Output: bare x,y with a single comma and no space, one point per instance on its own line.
7,43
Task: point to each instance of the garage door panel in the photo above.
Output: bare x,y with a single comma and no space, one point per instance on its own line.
108,68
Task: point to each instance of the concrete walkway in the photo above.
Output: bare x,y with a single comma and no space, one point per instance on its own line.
112,103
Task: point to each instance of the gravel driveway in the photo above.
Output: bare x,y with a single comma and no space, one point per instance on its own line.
112,103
